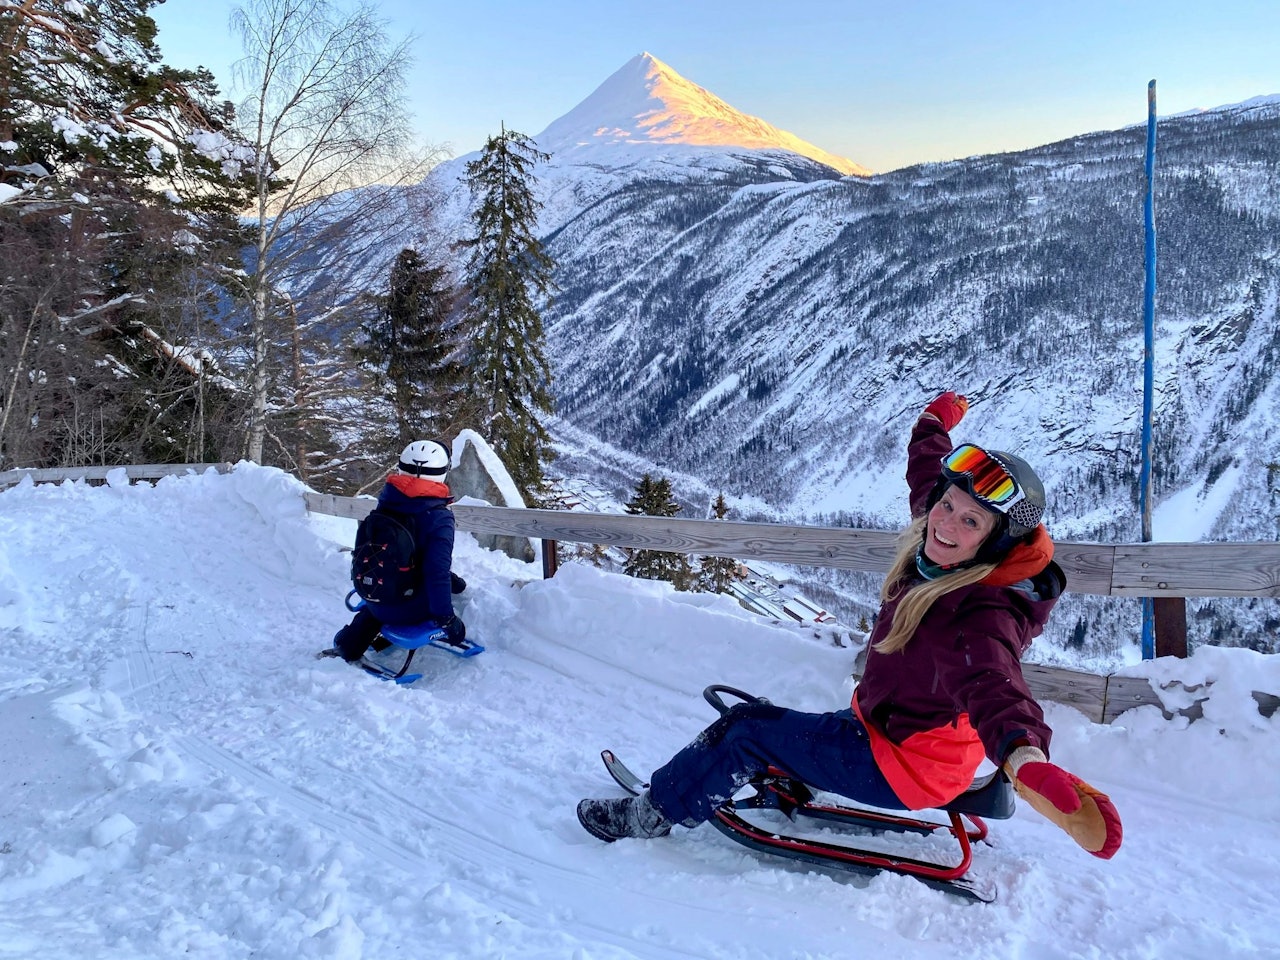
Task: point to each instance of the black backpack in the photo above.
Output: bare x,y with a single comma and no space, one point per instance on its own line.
384,562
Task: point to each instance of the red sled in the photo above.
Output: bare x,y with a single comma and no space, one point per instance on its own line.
989,798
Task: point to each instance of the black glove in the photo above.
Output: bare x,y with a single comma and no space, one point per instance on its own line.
455,630
456,583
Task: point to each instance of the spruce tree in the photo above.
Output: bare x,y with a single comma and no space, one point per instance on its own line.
507,271
412,351
653,498
716,574
119,184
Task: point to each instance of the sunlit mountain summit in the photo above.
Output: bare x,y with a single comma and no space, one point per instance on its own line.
646,102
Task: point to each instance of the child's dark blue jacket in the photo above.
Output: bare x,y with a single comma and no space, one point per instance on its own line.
425,505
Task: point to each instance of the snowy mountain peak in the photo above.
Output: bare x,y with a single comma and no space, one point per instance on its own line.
646,101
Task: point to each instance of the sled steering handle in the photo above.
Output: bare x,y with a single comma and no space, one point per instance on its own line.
712,695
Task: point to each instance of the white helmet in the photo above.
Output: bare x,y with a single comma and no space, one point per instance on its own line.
425,458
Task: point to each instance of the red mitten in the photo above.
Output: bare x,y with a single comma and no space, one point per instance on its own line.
1085,813
949,408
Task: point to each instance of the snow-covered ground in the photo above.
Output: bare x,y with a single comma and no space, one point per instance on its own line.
179,777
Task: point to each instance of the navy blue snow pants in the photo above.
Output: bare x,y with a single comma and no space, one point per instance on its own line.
828,751
354,639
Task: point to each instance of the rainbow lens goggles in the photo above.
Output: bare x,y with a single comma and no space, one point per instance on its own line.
985,477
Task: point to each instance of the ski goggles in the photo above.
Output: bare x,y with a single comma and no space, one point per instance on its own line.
983,476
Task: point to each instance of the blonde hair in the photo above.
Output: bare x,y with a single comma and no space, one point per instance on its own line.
919,598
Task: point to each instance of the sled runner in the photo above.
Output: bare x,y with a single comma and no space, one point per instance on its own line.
411,638
989,797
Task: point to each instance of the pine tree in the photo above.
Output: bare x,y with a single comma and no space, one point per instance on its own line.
716,574
653,498
507,270
84,98
412,350
119,181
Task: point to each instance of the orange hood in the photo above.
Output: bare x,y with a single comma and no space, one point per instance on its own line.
1024,561
412,486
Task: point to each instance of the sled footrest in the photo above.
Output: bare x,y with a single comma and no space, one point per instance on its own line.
420,635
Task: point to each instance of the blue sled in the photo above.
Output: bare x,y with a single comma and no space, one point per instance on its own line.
413,637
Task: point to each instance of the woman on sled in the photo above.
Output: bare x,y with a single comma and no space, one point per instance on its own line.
972,585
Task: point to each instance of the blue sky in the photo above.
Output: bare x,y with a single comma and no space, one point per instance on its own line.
885,84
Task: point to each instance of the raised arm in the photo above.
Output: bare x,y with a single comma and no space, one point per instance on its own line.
930,442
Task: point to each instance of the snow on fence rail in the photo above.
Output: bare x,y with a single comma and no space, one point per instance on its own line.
145,471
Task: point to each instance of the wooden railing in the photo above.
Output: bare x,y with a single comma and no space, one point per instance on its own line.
1125,570
1167,570
1129,570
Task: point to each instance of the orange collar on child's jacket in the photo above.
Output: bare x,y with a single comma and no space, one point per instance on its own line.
412,486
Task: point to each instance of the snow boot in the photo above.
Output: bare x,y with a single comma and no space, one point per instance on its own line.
613,819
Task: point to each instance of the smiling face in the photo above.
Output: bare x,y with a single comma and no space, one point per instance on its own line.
956,528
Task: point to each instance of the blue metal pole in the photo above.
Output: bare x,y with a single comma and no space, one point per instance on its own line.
1148,364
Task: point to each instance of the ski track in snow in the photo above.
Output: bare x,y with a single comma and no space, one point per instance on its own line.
149,683
472,853
200,785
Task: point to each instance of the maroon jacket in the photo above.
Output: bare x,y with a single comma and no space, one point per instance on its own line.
956,691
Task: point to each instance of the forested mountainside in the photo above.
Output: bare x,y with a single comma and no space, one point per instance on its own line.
777,339
748,321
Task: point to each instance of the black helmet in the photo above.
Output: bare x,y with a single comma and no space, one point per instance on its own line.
1024,516
1013,523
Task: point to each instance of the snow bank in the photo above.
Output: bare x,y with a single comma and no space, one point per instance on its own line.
179,775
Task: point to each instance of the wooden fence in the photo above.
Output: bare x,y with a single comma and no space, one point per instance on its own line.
1175,570
1161,570
152,471
1125,570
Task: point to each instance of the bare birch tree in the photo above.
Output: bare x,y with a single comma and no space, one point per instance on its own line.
327,112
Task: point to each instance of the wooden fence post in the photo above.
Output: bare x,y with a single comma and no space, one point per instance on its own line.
1170,626
550,562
